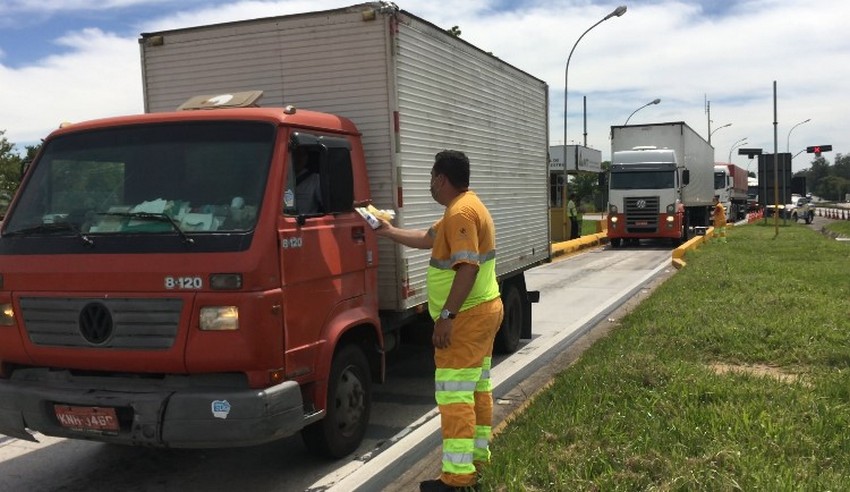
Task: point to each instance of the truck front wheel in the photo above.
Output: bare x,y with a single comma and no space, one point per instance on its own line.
349,405
615,242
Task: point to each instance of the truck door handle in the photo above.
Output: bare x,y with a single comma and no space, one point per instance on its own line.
358,233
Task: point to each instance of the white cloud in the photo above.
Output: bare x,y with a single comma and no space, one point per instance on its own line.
669,49
24,6
100,76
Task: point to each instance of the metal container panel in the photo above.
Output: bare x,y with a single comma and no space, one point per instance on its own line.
447,94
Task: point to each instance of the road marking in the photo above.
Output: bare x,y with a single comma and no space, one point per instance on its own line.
11,447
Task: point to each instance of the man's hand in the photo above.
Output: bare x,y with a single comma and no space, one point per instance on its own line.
442,337
384,230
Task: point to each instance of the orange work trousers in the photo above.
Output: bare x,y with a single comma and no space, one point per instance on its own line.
464,392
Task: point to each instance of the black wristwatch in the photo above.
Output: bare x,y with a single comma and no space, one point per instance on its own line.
446,314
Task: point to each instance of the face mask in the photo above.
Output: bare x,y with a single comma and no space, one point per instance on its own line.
433,188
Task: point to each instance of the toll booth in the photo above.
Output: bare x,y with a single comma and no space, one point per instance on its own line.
579,159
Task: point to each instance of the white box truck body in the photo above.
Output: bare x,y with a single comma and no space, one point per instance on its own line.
412,90
661,183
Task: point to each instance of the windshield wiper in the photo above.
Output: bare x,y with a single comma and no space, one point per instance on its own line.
158,217
49,228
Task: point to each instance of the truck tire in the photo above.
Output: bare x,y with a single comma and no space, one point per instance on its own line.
342,429
616,242
507,338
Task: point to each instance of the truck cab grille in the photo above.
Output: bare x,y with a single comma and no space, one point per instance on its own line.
642,214
113,323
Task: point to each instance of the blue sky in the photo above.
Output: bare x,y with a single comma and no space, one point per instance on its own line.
71,60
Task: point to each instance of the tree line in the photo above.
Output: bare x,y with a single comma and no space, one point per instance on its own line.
11,167
825,180
828,181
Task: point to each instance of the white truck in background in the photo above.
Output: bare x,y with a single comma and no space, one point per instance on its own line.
730,185
661,182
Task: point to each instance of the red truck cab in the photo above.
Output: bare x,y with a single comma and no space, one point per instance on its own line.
160,286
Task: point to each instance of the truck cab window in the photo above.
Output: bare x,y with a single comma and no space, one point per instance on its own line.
319,176
303,194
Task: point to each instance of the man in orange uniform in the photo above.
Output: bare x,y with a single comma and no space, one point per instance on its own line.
464,302
719,217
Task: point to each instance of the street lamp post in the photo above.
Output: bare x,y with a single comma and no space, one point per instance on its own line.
788,140
735,145
715,131
615,13
650,103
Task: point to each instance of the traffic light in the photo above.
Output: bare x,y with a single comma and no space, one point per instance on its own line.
817,149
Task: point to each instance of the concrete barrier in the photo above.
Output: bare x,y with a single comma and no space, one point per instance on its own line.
692,243
574,245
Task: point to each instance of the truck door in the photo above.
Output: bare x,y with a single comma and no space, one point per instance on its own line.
322,242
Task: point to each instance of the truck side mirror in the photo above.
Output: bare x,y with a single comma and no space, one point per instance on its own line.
686,176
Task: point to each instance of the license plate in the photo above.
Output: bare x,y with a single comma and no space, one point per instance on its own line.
93,419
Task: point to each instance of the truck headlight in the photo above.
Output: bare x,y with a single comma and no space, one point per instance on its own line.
670,219
613,220
7,315
219,318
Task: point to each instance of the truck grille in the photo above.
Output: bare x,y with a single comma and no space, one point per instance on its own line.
135,324
642,214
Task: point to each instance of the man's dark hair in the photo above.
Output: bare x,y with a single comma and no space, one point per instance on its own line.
454,165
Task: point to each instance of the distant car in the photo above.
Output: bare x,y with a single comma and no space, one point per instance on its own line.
800,208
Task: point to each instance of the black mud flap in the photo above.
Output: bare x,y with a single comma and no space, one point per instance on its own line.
531,297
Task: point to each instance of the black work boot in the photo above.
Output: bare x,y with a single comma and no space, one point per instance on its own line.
440,486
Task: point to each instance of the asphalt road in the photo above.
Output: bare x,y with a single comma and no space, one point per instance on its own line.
579,294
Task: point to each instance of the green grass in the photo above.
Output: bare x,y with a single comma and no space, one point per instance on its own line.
733,375
588,227
840,227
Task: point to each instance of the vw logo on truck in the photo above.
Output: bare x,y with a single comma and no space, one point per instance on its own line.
95,323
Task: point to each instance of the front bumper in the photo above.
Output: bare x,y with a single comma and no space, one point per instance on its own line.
622,226
176,411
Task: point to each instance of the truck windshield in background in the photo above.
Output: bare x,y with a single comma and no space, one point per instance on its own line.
164,178
642,180
719,181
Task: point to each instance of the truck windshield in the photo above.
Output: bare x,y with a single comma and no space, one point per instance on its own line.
167,178
642,180
752,192
719,181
